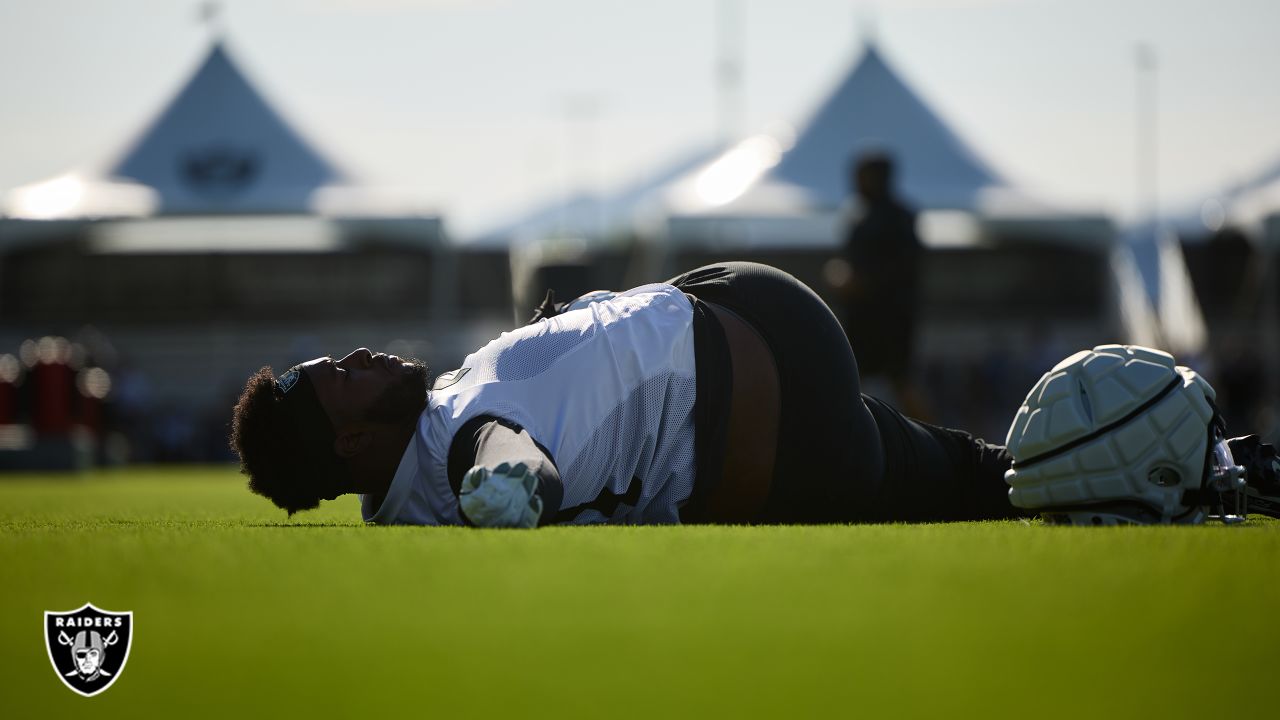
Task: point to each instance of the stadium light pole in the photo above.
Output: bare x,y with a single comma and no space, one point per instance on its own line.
730,24
211,15
1147,161
1182,322
581,124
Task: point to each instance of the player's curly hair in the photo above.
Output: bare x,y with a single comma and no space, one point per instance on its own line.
280,463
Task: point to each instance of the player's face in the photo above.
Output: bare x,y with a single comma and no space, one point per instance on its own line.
87,660
368,387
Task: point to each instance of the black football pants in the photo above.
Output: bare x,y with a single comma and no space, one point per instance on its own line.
843,456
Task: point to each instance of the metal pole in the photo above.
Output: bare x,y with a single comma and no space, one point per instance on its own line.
1270,318
211,15
1147,160
728,69
582,114
1145,172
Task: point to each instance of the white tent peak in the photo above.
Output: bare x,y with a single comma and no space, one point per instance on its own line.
791,188
872,108
220,147
805,171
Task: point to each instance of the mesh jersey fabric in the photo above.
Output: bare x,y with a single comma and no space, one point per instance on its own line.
608,390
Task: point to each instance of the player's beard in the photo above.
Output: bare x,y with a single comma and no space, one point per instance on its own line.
404,401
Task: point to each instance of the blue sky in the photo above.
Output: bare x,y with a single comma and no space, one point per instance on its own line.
464,104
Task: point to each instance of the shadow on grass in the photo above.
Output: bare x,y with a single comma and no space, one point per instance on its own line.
299,526
194,522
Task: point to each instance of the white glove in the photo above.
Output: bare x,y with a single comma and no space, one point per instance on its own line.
505,497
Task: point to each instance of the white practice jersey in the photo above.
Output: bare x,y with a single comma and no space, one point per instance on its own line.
608,390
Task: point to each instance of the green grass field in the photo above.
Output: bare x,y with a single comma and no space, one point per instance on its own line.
241,613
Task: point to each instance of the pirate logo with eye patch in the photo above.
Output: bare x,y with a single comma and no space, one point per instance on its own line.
88,646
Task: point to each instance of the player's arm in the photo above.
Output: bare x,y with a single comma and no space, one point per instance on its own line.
502,476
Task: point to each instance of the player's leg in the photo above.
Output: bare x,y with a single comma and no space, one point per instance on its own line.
934,473
838,458
828,463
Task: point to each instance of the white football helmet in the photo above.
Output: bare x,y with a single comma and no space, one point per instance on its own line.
1121,434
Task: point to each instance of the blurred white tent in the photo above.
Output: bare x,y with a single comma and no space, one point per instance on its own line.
778,188
1253,205
1160,246
788,191
1211,269
217,160
870,109
1182,321
218,147
594,216
78,194
221,215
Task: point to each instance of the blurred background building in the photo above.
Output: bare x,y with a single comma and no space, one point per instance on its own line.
220,241
136,295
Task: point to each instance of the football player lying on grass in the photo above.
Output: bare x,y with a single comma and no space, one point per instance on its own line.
727,395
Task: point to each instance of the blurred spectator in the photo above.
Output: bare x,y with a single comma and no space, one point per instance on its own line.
10,384
879,284
55,407
175,435
51,386
1241,382
132,413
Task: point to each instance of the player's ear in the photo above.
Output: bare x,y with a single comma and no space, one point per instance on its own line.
350,443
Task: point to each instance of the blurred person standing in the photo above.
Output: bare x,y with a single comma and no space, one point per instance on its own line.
53,388
879,283
50,397
10,383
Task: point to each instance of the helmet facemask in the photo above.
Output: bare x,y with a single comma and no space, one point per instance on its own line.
1224,480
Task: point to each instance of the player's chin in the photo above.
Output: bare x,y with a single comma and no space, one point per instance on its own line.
413,380
414,368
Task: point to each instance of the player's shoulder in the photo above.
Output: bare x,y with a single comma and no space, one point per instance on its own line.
652,290
659,296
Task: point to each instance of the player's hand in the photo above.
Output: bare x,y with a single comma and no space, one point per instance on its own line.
507,496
